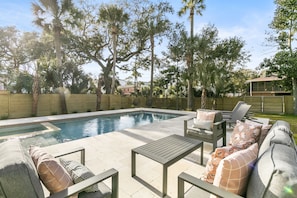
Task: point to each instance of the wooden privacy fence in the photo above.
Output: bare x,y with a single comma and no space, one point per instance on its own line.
267,104
20,105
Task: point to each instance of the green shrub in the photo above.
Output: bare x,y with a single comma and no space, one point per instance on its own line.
4,117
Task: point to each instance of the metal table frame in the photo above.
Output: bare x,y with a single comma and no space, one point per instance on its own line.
167,151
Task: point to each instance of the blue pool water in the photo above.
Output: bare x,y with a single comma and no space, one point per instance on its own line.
77,129
91,126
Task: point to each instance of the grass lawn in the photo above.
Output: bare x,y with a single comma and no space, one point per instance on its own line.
292,119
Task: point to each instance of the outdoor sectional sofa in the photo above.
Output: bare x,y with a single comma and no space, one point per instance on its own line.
273,175
20,177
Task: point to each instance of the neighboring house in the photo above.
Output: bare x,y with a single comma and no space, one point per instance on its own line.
127,90
266,86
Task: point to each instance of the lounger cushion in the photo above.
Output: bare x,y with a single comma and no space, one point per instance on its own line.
234,170
18,176
51,172
214,160
244,135
78,173
275,173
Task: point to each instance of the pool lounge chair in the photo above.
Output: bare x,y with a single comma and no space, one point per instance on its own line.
227,114
238,114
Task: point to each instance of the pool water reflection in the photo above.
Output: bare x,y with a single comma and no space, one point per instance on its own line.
91,126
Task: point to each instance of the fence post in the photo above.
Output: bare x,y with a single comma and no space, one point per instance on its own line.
284,107
262,104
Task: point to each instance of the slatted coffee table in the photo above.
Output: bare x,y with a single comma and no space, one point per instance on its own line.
167,151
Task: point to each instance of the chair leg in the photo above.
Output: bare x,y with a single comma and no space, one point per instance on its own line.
224,140
214,146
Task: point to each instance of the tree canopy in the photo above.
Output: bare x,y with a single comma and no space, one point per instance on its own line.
284,25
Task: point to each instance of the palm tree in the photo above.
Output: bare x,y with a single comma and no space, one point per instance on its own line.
114,17
155,24
49,16
194,6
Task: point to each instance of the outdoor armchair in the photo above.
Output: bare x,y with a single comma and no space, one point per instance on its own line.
207,126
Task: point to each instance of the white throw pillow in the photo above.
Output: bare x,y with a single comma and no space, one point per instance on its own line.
203,124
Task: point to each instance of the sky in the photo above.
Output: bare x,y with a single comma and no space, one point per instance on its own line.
246,19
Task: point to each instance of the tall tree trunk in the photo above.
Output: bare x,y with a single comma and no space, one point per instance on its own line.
150,101
57,39
190,94
107,83
294,83
190,70
203,98
35,91
99,94
114,43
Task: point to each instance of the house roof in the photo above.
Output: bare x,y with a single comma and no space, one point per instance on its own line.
264,79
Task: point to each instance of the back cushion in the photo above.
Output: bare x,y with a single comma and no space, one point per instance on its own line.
18,176
279,134
275,174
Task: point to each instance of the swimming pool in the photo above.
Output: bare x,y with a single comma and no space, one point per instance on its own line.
45,134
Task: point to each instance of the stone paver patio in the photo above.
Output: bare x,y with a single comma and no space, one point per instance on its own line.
113,150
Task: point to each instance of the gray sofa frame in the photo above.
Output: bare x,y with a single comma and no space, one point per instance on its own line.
19,177
76,188
274,172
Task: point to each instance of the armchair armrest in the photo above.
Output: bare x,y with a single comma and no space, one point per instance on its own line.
219,123
186,124
75,150
184,177
111,173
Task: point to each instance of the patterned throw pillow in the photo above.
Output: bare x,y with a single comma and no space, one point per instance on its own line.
214,160
234,170
51,172
79,173
244,135
264,130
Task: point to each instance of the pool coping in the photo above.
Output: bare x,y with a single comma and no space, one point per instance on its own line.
51,118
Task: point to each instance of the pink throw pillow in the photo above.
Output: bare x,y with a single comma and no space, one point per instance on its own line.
244,135
264,130
234,170
214,160
206,115
51,172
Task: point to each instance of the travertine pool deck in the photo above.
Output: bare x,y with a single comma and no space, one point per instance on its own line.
113,150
